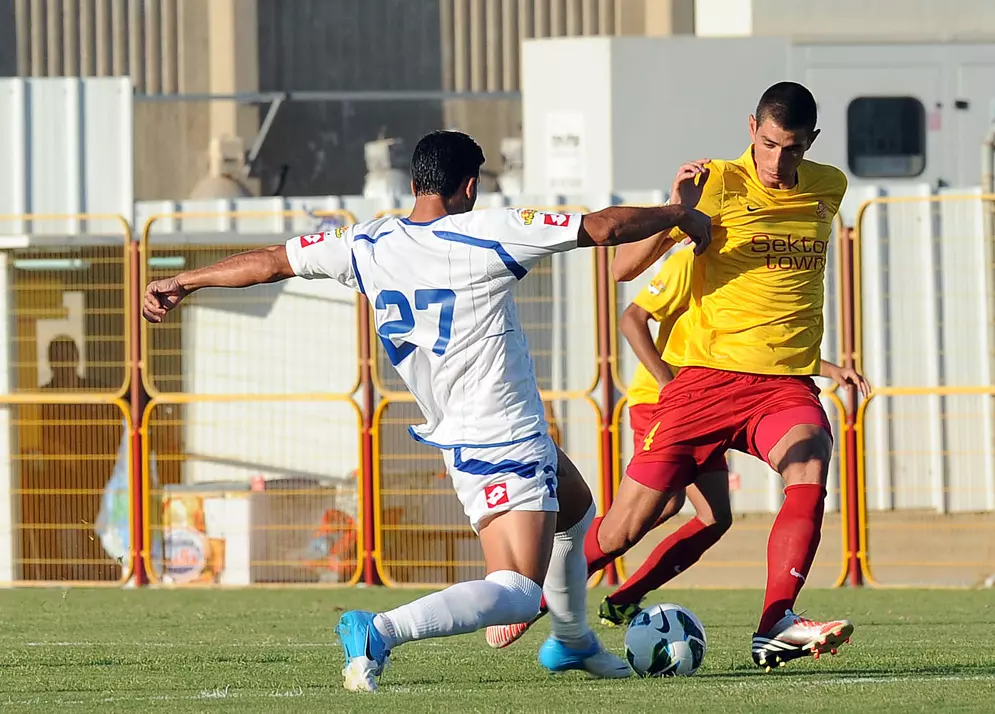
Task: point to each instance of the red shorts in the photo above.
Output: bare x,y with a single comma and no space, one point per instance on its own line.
641,419
705,412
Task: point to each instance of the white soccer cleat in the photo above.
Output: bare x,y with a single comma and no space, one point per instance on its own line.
606,665
794,636
360,675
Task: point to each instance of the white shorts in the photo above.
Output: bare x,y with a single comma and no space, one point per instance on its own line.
494,479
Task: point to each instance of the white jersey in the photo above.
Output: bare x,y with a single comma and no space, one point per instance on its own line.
442,293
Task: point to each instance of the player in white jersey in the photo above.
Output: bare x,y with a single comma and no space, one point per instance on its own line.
441,283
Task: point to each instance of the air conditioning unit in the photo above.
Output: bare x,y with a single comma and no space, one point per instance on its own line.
225,169
387,169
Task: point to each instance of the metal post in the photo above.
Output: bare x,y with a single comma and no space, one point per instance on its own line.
371,576
854,517
138,401
607,393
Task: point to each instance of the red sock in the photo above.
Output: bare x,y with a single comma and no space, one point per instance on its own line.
597,559
794,538
674,554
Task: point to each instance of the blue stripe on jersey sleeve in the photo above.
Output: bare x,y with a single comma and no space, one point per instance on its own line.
365,237
513,265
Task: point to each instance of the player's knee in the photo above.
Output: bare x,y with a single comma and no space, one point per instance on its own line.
717,520
722,522
821,446
807,459
521,598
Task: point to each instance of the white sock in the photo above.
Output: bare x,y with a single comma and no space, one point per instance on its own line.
566,584
502,598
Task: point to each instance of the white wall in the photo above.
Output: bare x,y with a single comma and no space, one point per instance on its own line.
673,101
66,147
572,88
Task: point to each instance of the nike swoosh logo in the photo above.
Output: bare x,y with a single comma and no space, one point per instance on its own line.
751,209
796,574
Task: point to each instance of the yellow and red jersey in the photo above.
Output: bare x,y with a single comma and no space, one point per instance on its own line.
757,293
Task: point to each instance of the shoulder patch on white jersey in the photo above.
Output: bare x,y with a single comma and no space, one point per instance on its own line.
313,239
527,216
530,216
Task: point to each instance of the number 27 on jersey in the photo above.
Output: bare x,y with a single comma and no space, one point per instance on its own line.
426,300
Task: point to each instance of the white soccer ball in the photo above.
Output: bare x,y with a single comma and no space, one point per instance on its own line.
665,641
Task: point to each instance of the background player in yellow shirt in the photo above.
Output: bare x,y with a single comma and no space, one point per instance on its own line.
753,340
664,300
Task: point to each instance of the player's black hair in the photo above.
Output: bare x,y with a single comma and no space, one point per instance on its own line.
789,105
442,161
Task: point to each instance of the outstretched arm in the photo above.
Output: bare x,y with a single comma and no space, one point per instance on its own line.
263,265
618,225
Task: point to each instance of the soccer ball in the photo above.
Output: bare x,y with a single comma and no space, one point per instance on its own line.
665,641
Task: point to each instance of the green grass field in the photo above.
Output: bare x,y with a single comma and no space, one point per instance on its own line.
274,651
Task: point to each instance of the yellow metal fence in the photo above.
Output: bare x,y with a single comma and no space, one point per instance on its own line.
252,453
282,470
65,466
926,437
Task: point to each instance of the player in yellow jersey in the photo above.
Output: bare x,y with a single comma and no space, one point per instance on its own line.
664,300
753,339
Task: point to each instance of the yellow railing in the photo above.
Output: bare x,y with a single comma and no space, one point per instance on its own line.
923,316
69,305
303,525
302,519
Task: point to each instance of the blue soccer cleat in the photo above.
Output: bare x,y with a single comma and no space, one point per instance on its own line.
366,653
593,659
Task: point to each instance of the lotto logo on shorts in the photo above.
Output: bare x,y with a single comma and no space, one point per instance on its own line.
496,495
556,219
313,239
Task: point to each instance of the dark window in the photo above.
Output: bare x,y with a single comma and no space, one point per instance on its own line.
886,137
